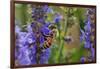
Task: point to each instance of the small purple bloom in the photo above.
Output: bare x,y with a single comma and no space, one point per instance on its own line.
45,30
47,24
45,56
83,59
87,45
92,52
82,35
88,26
57,17
29,28
17,29
41,20
23,57
42,39
47,9
32,54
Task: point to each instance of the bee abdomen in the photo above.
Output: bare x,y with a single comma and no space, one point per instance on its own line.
46,45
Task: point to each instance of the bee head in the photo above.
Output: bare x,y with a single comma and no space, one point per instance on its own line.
52,26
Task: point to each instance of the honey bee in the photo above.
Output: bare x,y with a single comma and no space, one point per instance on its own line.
49,38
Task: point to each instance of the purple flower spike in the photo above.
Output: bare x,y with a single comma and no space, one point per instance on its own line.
88,43
28,43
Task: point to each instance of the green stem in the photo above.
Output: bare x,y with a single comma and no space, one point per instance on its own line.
62,42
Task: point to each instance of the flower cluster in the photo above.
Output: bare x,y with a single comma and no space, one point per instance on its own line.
86,35
27,50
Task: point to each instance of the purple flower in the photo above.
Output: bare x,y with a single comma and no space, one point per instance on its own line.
45,30
88,25
92,52
21,38
87,45
17,29
47,9
42,40
41,20
47,24
82,35
45,56
27,43
82,59
57,18
87,36
23,58
29,28
30,37
33,54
